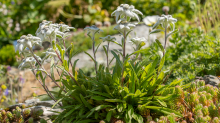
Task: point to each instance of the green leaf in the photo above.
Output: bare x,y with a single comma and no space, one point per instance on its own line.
164,110
105,50
138,118
97,48
62,52
100,93
67,94
176,30
90,56
109,115
71,111
85,102
114,100
159,44
130,111
162,103
74,66
65,65
52,68
161,64
98,98
120,107
156,31
97,109
117,59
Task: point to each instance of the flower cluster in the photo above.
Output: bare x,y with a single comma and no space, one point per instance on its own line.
47,31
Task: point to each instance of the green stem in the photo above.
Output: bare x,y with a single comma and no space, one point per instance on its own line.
107,55
93,48
165,40
122,79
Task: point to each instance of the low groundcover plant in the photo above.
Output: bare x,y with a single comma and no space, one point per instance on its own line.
130,91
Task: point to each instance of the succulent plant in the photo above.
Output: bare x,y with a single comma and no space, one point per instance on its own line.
19,115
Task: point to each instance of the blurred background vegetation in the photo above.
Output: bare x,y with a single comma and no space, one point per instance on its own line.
21,17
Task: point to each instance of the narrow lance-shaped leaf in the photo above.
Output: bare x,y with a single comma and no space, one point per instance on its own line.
156,31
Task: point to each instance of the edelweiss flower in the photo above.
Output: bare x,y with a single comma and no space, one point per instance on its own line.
126,11
27,41
136,41
64,28
48,31
50,53
165,20
124,27
92,30
108,38
28,62
150,20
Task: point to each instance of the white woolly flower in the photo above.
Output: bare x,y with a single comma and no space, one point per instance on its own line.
27,41
65,28
126,11
50,53
48,31
124,27
92,30
165,20
108,38
136,40
150,20
28,62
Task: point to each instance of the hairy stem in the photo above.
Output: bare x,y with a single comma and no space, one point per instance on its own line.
45,87
107,55
45,70
122,79
165,41
67,71
93,48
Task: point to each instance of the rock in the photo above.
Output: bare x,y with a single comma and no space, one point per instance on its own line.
210,79
37,106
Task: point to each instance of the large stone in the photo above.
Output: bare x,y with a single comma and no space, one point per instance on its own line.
36,105
211,80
